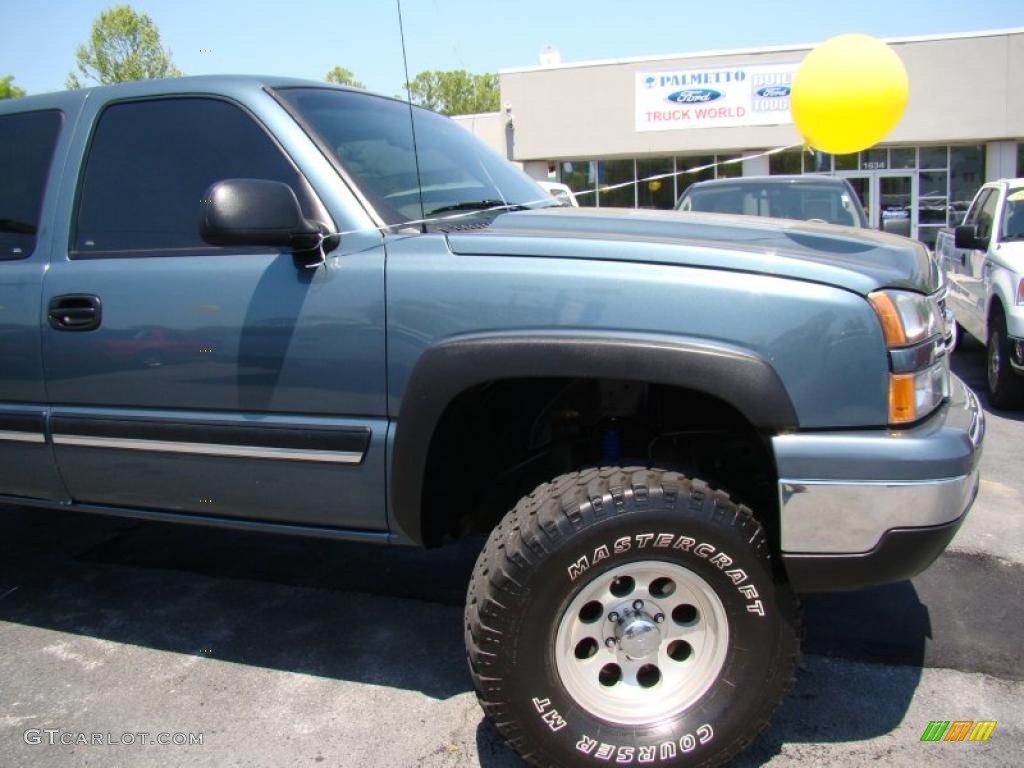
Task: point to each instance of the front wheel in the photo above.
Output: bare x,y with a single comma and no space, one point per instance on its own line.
629,616
1005,388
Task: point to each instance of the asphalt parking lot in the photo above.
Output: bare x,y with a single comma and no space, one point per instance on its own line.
282,651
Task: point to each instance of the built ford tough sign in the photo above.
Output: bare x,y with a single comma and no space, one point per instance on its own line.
220,304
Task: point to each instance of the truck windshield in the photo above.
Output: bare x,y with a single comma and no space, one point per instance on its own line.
781,201
1013,215
371,137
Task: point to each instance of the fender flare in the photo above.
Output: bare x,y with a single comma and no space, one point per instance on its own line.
738,377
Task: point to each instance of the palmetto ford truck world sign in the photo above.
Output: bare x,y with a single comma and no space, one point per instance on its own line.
714,98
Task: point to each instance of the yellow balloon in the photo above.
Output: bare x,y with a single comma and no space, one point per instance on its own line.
848,93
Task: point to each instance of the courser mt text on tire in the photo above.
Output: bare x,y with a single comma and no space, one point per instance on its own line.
629,616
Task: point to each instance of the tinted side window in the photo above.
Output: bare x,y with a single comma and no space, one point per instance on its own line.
987,216
972,215
27,142
151,162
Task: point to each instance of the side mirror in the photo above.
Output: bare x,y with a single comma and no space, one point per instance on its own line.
966,236
259,212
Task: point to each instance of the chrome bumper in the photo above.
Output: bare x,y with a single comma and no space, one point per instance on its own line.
842,492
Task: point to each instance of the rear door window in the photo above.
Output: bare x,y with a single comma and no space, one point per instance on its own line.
27,143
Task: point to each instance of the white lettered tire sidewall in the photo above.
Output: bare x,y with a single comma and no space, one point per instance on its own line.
665,517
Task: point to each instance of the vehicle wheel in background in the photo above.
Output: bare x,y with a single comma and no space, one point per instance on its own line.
1005,388
629,616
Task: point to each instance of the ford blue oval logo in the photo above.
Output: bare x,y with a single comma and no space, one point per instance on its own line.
773,92
694,96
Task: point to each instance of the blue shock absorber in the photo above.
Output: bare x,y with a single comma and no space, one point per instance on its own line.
611,447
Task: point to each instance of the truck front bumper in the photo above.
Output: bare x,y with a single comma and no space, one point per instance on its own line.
861,508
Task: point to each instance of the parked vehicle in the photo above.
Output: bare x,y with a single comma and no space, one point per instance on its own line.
561,192
221,305
827,199
983,260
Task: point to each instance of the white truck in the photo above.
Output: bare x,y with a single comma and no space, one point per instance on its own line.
983,260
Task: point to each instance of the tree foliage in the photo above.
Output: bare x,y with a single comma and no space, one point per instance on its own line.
456,92
124,45
343,76
8,90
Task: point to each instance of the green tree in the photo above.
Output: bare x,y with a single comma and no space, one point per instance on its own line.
343,76
124,45
456,92
8,90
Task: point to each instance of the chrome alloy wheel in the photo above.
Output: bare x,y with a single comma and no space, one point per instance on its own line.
641,642
995,360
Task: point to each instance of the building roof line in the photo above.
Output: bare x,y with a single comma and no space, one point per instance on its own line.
750,51
475,114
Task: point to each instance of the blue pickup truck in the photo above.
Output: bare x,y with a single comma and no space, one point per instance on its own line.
270,304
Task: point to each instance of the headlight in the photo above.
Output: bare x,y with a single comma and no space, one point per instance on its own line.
906,317
913,326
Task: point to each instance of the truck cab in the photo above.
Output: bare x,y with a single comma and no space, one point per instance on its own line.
983,260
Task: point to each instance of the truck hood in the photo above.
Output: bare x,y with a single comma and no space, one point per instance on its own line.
1010,254
859,260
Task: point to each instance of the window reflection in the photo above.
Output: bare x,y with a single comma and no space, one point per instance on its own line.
659,193
579,175
730,170
874,160
690,163
933,157
947,178
611,173
785,163
818,162
966,175
902,157
847,162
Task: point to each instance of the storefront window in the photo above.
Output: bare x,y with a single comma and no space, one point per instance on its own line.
579,175
691,164
966,175
931,183
947,179
611,173
729,170
817,162
928,235
1020,159
847,162
902,157
658,193
933,157
785,163
874,160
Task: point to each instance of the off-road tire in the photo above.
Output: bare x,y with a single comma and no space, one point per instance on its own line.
1005,388
563,538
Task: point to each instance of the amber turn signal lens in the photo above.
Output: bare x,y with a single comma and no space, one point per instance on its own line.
902,400
892,325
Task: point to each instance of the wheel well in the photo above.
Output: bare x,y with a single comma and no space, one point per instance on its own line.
499,440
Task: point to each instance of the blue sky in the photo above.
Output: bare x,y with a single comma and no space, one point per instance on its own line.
305,38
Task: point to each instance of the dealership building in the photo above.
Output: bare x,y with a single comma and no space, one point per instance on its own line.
601,123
